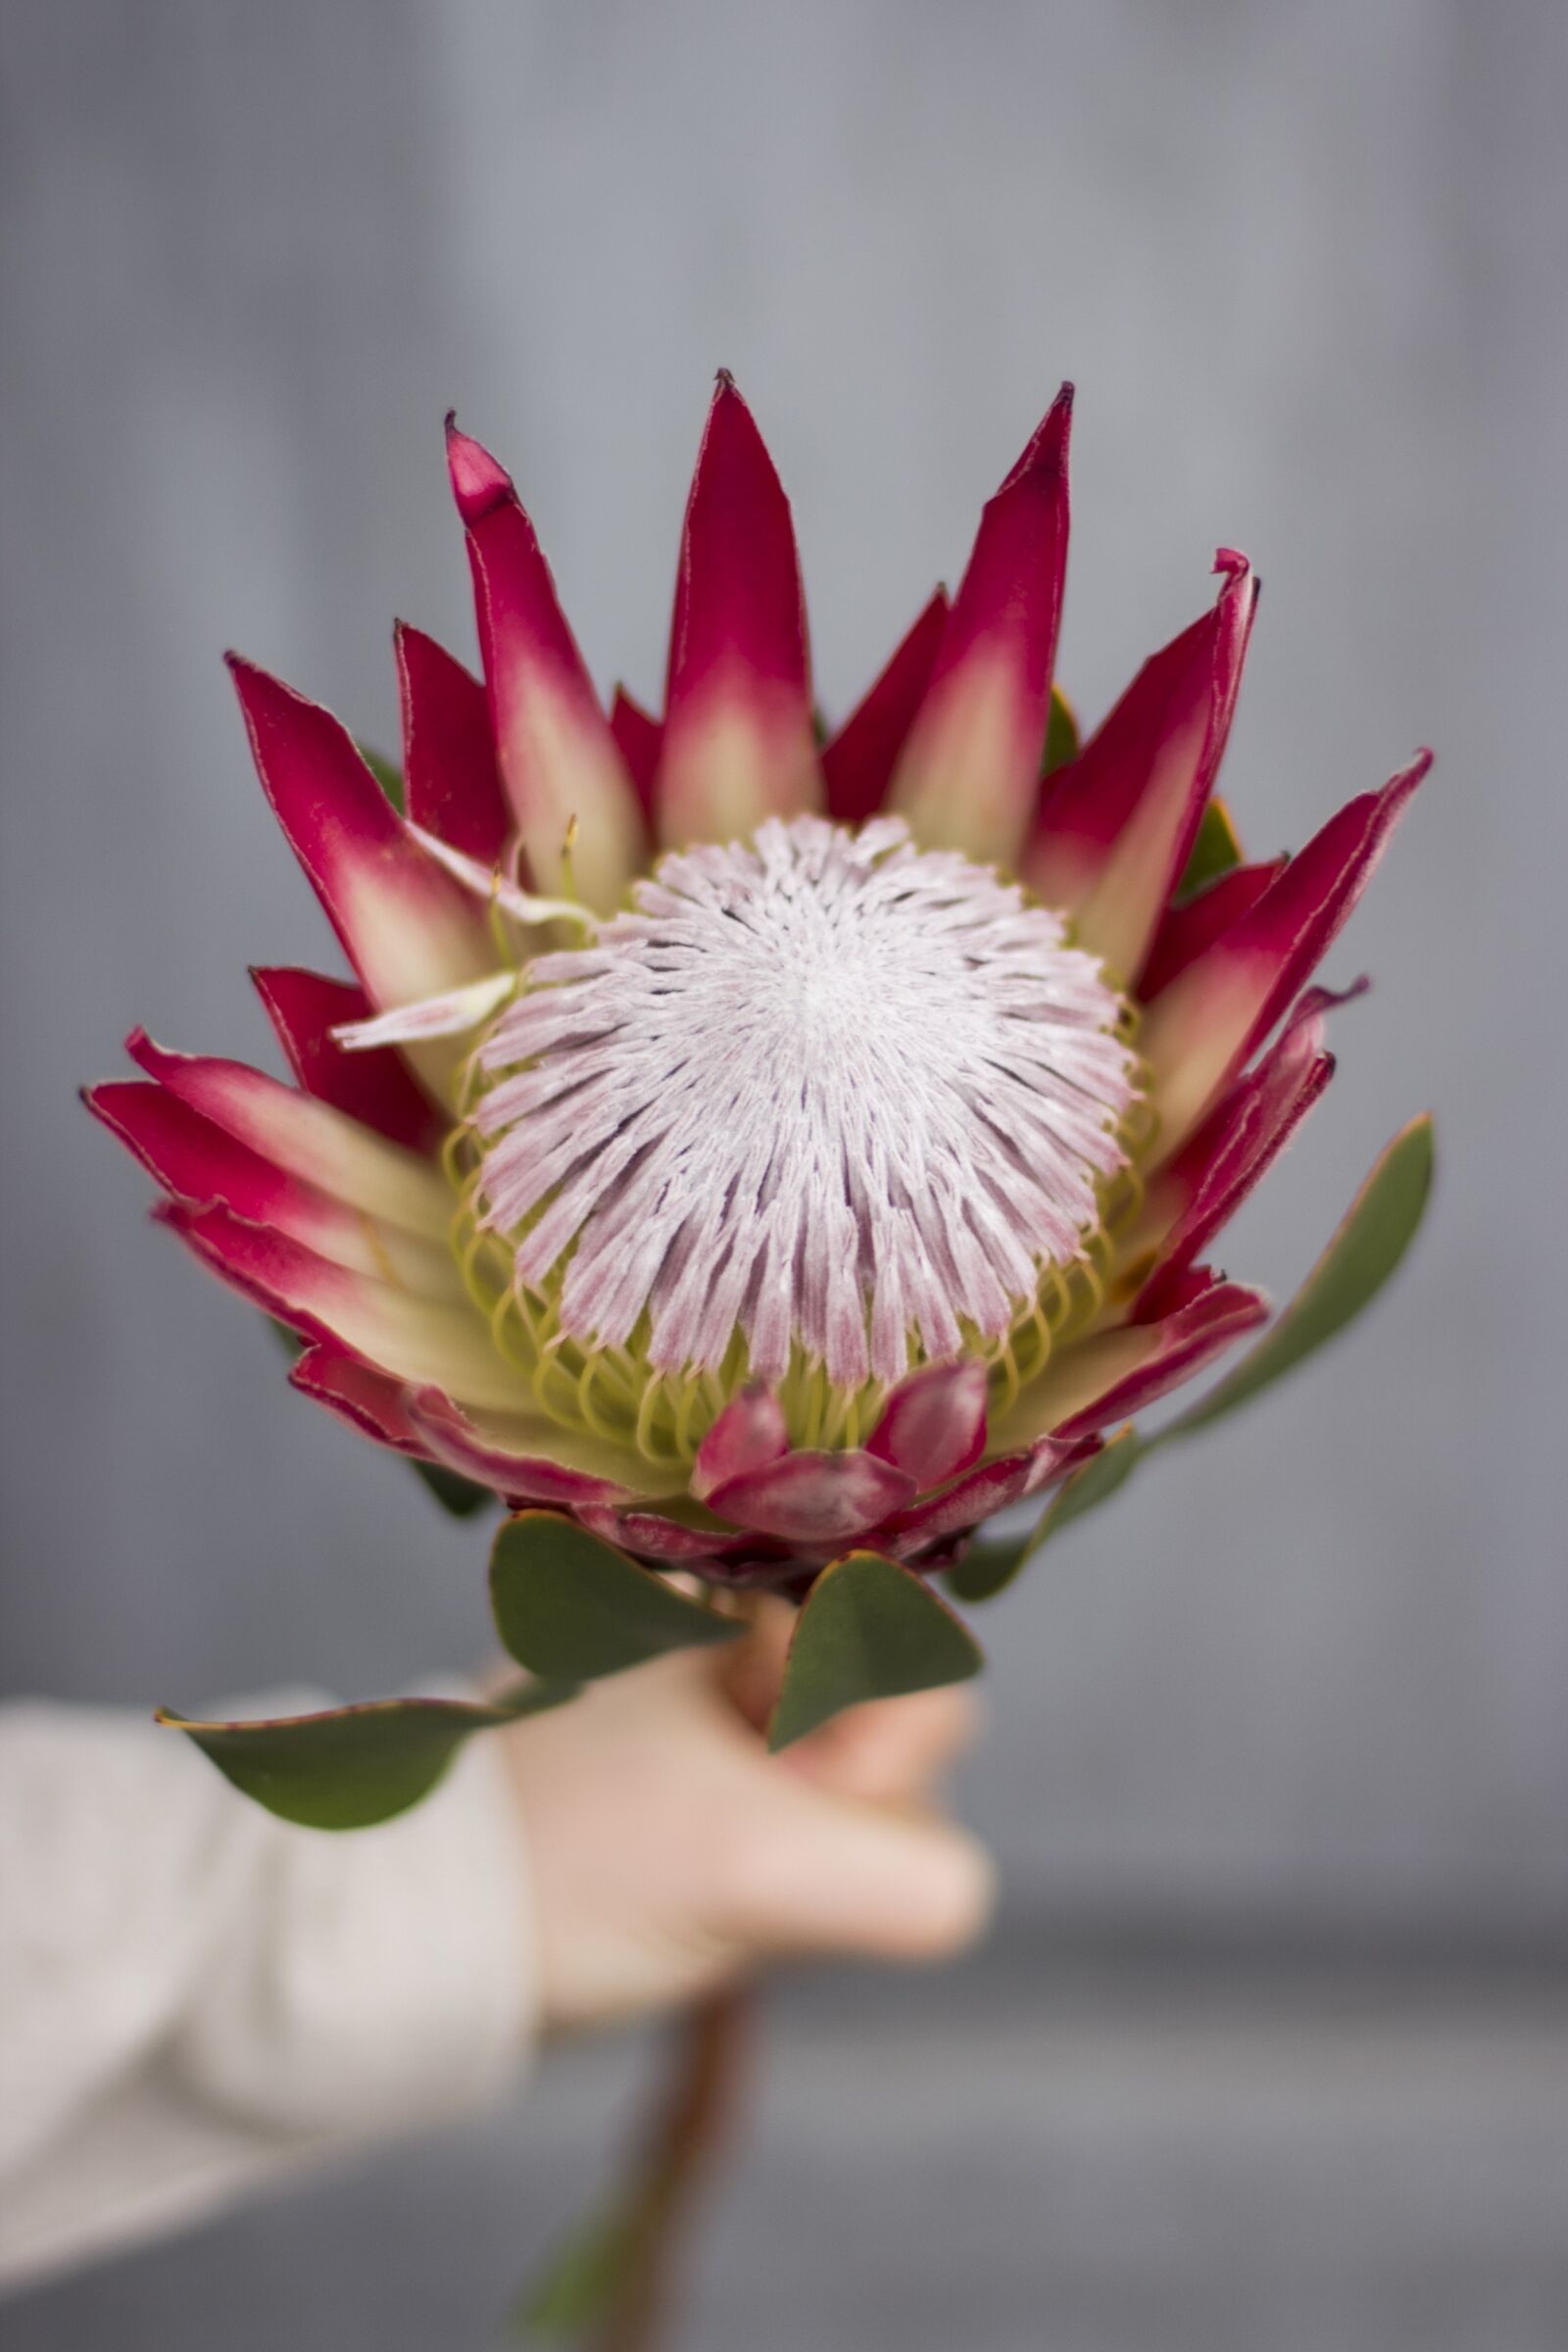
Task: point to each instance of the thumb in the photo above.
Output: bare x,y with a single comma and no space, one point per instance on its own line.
829,1873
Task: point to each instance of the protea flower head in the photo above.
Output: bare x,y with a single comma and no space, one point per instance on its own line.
749,1144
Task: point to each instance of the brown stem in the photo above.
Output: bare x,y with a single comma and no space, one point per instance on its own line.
684,2135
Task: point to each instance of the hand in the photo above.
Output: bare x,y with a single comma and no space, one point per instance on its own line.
669,1850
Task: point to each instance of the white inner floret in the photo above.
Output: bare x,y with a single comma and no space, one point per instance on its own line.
825,1088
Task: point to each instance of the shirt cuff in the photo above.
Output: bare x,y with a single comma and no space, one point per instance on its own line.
377,1978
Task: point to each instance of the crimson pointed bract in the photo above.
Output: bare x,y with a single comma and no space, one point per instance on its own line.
378,1089
572,801
983,717
405,927
639,739
452,785
737,741
1209,1019
1118,824
1190,925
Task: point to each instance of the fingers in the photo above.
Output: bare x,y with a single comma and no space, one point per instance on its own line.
819,1872
753,1668
894,1749
887,1751
667,1847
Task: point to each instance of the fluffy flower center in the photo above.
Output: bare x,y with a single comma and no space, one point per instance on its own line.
847,1098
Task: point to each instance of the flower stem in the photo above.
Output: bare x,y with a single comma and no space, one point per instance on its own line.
684,2135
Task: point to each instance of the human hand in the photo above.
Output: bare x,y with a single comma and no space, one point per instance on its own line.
669,1851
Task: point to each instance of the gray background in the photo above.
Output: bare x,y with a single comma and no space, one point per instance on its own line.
1270,2049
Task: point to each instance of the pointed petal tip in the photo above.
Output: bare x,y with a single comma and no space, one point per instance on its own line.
1045,452
249,676
1389,804
254,684
252,678
1238,581
478,483
730,424
728,399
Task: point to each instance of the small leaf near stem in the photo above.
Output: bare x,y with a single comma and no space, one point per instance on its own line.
567,1604
869,1628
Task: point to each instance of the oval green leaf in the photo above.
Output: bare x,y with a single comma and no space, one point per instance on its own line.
459,1496
348,1768
868,1629
567,1604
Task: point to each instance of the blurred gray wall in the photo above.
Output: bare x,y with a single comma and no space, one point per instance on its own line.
1307,268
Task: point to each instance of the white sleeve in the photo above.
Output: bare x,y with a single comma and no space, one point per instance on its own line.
195,1997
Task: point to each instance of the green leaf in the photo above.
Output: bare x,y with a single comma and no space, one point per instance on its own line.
1062,733
350,1767
1373,1236
386,772
1095,1483
581,2279
452,1492
990,1563
1215,851
289,1340
986,1569
868,1629
565,1603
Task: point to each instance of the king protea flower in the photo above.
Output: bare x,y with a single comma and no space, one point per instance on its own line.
754,1146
